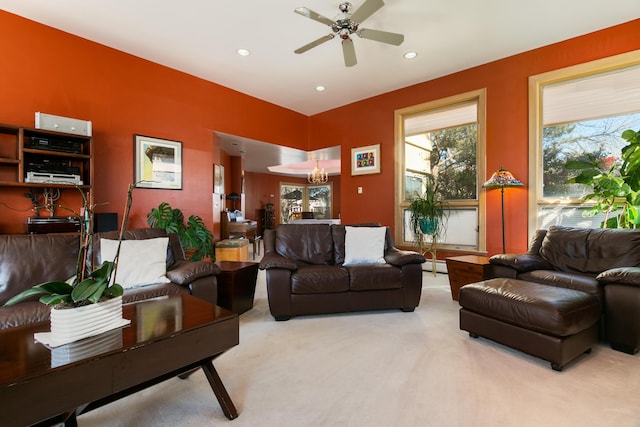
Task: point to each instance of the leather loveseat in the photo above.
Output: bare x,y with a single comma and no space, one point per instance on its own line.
306,273
29,259
601,262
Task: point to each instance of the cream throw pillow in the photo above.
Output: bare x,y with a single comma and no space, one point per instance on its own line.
142,262
364,245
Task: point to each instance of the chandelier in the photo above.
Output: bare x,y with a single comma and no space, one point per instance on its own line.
317,175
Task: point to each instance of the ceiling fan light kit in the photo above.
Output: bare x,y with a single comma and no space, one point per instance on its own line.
346,24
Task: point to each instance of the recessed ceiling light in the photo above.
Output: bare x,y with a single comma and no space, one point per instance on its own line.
243,52
410,55
320,88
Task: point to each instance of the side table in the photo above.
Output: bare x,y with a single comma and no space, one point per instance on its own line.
237,285
467,269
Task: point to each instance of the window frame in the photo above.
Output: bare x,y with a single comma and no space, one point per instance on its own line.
536,85
476,96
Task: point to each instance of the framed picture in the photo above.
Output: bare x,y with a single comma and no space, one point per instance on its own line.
222,189
218,178
158,163
365,160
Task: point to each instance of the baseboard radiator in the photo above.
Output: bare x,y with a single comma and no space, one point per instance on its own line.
441,266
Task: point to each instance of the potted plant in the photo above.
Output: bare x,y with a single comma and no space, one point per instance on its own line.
428,213
194,236
88,303
616,189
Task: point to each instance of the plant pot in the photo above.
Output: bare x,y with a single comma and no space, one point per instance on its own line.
429,225
73,324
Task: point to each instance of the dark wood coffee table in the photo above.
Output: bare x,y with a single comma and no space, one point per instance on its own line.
167,337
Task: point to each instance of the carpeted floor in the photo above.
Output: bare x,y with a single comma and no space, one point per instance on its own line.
387,368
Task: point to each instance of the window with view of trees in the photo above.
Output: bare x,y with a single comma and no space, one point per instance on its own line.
584,110
443,140
298,198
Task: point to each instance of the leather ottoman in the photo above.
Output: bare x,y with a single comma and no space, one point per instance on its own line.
552,323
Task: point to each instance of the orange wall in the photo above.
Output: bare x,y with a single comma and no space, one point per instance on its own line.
47,70
506,81
50,71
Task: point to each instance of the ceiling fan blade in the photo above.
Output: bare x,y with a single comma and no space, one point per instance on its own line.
349,53
368,8
313,15
314,43
381,36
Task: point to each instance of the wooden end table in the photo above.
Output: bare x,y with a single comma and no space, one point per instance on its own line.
237,285
467,269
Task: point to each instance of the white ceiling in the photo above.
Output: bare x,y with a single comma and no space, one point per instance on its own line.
200,37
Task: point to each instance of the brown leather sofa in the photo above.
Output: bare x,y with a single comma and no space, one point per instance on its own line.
604,263
305,273
29,259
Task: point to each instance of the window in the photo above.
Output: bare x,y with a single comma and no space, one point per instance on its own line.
298,201
443,139
579,112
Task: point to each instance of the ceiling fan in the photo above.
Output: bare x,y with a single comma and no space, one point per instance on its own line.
346,24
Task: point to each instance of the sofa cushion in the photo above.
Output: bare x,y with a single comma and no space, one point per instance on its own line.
590,250
364,245
319,279
309,243
174,250
621,275
28,260
374,277
141,262
579,281
338,233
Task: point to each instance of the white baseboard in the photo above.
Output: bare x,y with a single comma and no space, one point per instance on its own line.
441,266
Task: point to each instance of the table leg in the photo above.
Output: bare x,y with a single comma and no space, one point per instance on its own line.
218,388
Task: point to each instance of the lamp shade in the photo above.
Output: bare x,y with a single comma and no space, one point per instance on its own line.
502,178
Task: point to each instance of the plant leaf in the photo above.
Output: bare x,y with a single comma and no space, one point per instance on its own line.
579,165
114,290
36,290
85,289
95,296
54,299
57,287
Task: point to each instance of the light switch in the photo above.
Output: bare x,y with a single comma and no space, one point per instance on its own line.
359,190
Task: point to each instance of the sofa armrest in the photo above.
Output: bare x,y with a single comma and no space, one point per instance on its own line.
275,260
621,275
184,272
399,258
521,262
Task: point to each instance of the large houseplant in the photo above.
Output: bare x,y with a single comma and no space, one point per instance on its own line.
427,213
616,190
194,235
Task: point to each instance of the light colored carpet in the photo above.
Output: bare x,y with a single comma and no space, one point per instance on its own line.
387,368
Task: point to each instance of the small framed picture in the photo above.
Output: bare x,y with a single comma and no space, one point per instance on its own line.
158,163
218,178
365,160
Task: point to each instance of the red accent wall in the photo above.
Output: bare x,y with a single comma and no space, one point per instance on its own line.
47,70
371,121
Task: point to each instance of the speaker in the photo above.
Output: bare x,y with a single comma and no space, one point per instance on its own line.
105,222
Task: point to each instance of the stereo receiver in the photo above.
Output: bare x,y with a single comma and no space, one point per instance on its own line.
54,144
